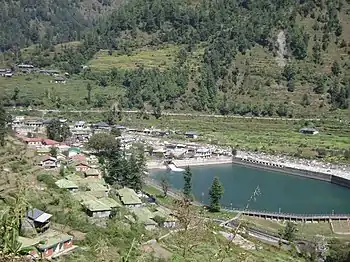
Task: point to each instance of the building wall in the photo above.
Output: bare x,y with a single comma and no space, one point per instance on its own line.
169,224
101,214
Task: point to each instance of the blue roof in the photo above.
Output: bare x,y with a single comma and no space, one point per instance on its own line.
101,124
34,213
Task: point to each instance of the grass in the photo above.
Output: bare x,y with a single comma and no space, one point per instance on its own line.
41,91
146,57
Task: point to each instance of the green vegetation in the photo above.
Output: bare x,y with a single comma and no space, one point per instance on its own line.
216,191
187,190
57,131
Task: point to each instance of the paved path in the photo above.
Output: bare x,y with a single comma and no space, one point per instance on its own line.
44,111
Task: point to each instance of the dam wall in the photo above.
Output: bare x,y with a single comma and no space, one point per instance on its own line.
297,172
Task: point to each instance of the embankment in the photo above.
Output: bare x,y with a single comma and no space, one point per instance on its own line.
293,171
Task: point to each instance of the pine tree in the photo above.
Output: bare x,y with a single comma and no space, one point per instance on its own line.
188,183
115,164
89,88
57,131
216,191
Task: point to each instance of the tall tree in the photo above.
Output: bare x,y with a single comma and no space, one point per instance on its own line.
116,164
187,183
89,88
164,182
57,131
15,95
101,142
216,191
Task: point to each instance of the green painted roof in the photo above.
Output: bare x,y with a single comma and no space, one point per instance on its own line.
74,149
144,215
66,184
28,242
83,196
73,177
128,196
92,172
43,150
96,186
109,202
54,240
96,205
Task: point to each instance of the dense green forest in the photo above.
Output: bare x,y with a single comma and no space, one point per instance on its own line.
228,35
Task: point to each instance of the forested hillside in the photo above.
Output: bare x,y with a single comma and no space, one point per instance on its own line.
264,58
47,22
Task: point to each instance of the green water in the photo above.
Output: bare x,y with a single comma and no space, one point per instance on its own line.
278,191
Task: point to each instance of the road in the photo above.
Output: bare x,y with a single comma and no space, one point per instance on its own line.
45,111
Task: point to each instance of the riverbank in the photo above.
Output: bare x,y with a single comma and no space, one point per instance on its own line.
159,164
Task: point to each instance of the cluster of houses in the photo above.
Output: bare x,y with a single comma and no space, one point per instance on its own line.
30,69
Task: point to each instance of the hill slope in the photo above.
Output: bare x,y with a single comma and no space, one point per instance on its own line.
263,58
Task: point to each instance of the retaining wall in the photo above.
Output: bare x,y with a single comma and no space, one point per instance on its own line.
297,172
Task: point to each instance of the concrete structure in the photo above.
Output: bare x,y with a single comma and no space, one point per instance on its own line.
191,134
92,173
82,167
295,217
48,162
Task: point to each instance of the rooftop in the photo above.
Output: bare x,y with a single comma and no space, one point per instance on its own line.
66,184
96,205
38,215
92,172
144,215
112,203
83,196
128,196
96,186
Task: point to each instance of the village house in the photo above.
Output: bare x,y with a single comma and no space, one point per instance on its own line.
67,184
191,134
92,173
100,127
51,244
25,66
144,215
49,72
48,162
79,124
60,80
95,208
129,197
8,74
308,131
41,151
82,167
97,187
49,142
39,219
32,142
167,219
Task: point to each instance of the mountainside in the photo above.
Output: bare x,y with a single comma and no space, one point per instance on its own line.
27,22
264,58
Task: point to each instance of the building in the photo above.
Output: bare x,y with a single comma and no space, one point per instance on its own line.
40,219
191,134
48,162
60,80
73,151
49,142
92,173
79,124
97,187
48,245
67,184
144,216
26,66
97,209
101,126
129,197
82,167
32,141
308,130
167,219
203,153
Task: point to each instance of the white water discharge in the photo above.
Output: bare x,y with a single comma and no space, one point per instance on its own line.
281,41
174,168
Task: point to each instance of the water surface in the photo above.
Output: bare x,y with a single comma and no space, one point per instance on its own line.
278,191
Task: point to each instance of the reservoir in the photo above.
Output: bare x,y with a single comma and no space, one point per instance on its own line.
278,191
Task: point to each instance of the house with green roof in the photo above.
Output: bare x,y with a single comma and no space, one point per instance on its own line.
67,184
83,196
47,245
144,216
97,186
97,209
129,197
92,173
164,217
110,202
